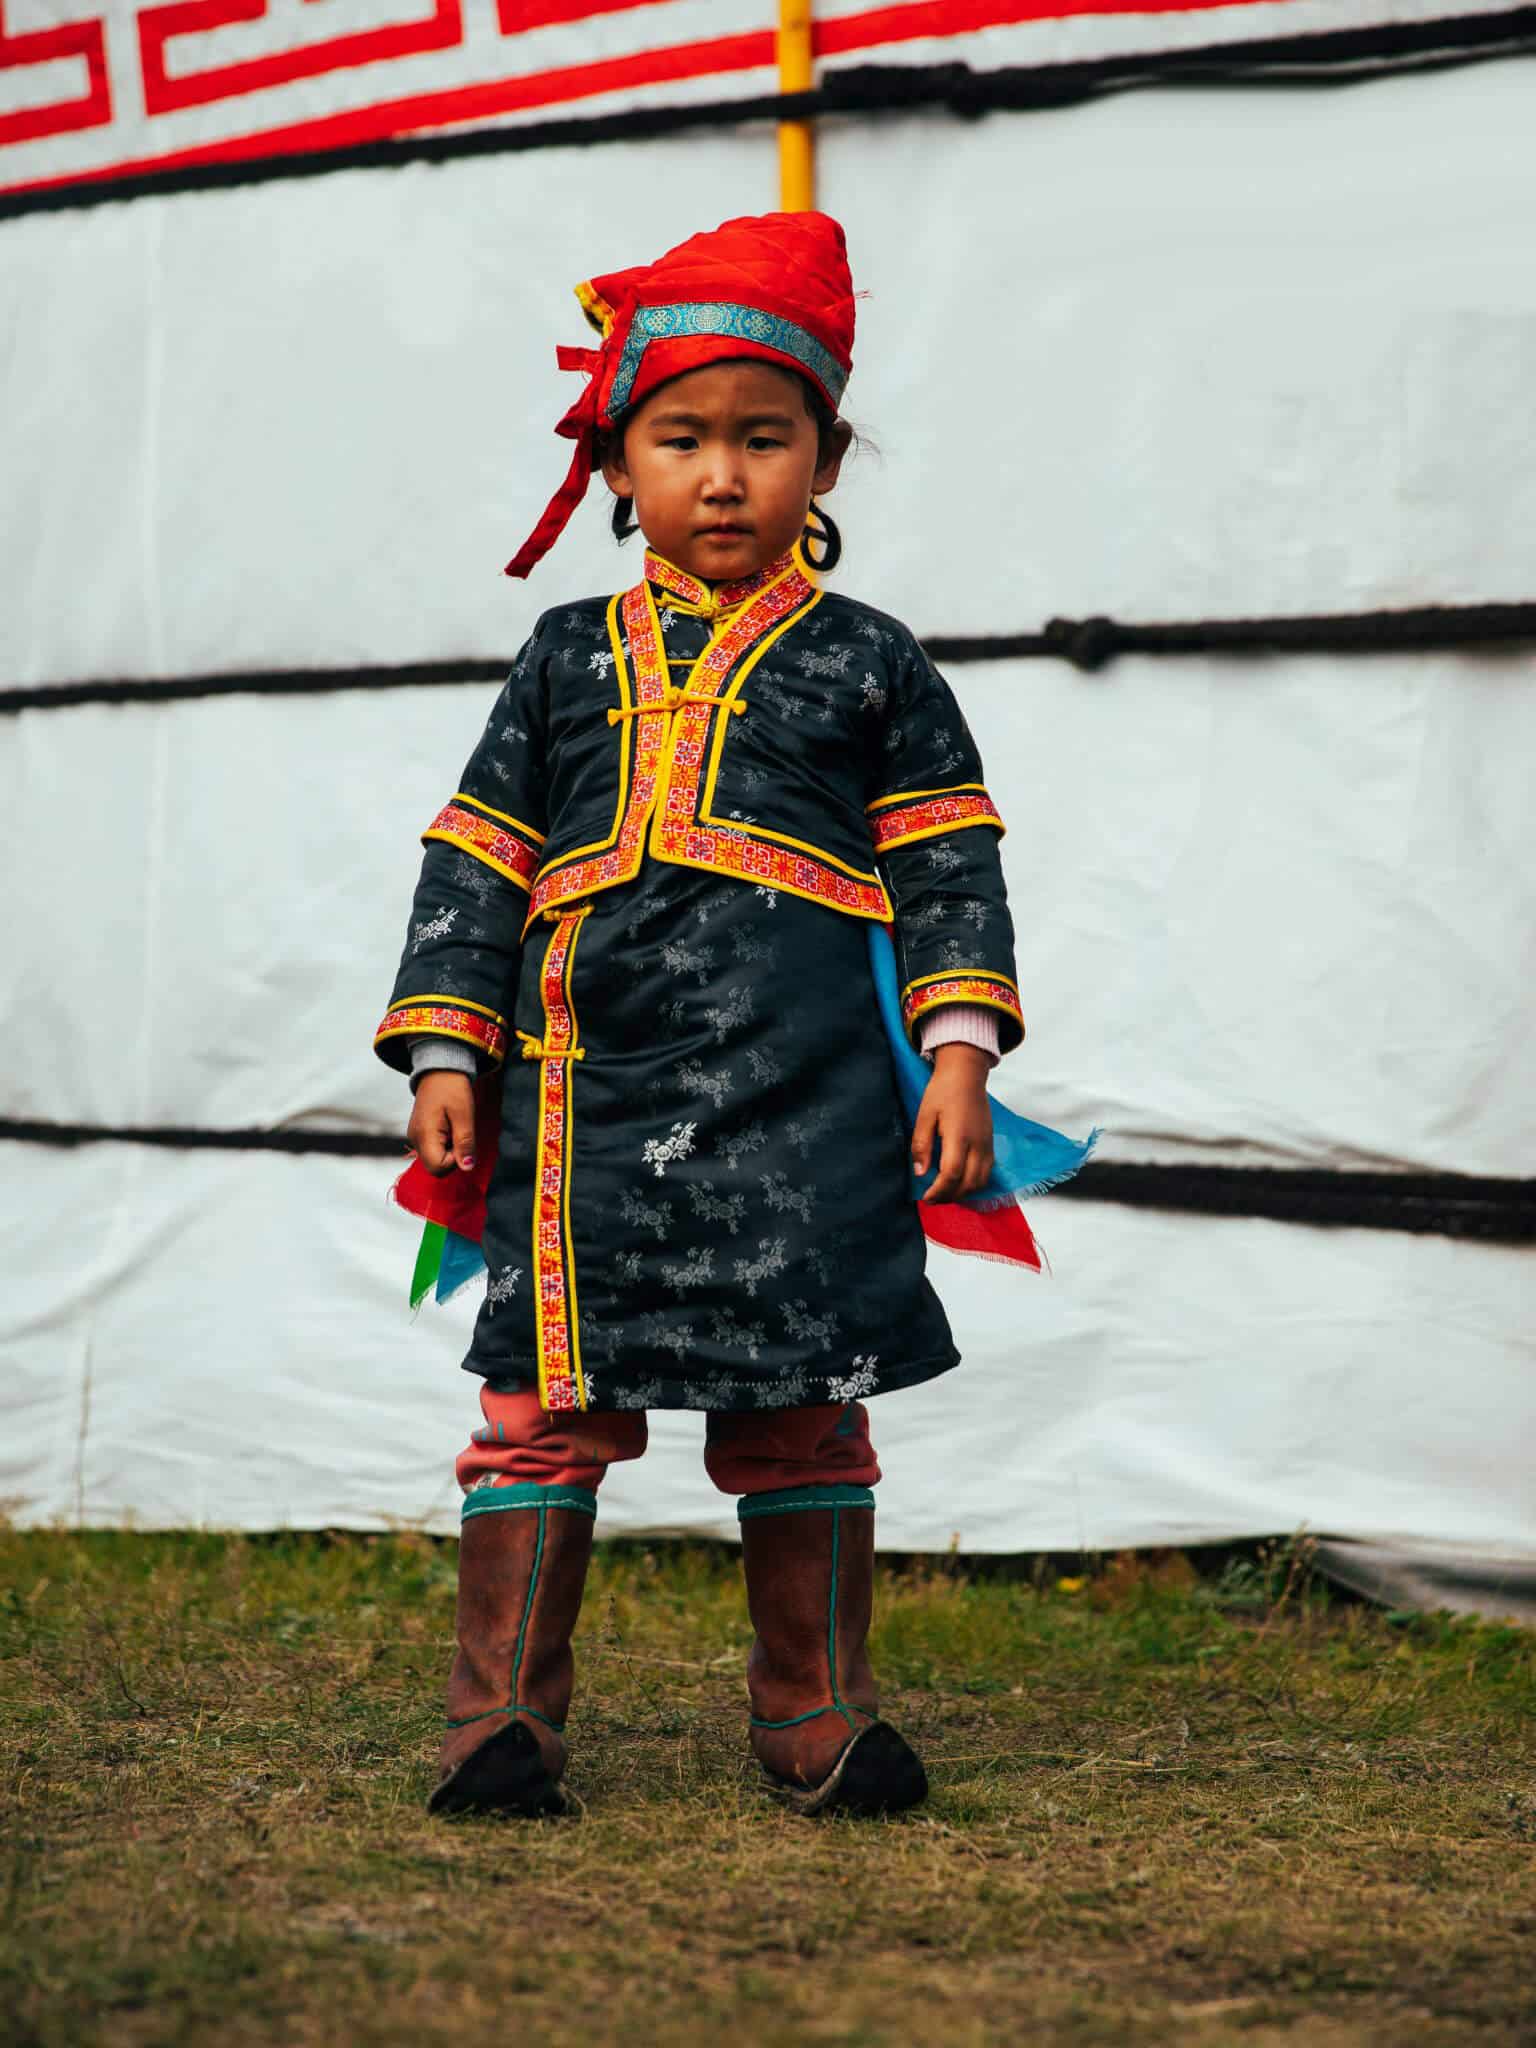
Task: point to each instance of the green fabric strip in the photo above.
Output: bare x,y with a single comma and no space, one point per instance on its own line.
528,1493
794,1500
429,1259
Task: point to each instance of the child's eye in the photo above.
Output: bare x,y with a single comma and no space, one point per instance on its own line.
765,441
683,441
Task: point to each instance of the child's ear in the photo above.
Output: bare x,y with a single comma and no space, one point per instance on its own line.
616,475
839,439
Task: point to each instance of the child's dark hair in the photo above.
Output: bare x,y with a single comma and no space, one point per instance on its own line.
821,528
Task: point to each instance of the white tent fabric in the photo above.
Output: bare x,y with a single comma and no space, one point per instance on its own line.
1195,355
221,1339
87,90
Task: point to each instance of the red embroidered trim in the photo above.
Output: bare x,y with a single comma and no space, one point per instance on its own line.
680,835
446,1020
679,741
486,840
621,861
932,815
560,1383
720,597
990,990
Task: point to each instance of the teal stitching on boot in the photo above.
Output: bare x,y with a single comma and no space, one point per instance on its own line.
757,1720
490,1714
511,1713
528,1493
837,1698
793,1500
533,1593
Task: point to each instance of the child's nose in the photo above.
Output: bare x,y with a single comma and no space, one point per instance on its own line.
723,476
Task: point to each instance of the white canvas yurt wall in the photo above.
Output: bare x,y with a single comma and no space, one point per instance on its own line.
1169,355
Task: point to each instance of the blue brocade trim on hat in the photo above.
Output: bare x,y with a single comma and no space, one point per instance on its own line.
744,323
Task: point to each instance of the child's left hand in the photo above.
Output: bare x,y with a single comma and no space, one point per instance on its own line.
955,1112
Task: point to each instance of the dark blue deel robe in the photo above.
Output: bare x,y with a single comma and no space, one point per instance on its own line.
649,898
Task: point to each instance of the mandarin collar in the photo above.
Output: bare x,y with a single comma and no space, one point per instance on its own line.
703,600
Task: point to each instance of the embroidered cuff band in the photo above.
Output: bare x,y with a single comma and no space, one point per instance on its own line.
926,813
990,991
446,1017
503,843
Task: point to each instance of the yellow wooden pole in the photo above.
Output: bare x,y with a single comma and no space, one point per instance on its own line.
797,159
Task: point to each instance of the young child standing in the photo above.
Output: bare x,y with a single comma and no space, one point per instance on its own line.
651,895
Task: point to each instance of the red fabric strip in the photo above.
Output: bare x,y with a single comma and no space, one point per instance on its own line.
1000,1234
910,19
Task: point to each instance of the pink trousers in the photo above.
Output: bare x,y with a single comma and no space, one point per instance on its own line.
758,1452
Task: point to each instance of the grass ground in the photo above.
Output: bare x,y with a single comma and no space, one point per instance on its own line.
1165,1810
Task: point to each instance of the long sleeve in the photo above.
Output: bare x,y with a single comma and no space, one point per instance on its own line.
962,1024
459,966
936,832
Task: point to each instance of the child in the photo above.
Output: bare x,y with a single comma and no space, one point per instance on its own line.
653,892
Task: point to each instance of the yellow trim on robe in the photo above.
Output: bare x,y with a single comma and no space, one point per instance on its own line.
703,811
621,676
917,796
556,1075
462,796
449,1003
959,974
478,853
433,1031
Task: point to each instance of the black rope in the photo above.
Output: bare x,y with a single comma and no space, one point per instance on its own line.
260,682
1086,643
1485,1207
1495,1211
188,1138
1342,56
1090,643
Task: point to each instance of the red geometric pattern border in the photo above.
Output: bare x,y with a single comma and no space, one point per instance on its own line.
561,1387
679,833
487,840
929,816
151,85
993,991
443,1018
620,862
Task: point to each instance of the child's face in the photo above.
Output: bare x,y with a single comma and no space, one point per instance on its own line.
722,464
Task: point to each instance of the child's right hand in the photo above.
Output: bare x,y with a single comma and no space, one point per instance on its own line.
442,1128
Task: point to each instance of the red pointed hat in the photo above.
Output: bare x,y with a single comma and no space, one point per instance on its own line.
774,286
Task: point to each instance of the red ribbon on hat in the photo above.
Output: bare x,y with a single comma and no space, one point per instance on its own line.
579,425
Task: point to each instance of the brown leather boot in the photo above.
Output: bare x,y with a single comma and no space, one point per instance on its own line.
809,1554
523,1553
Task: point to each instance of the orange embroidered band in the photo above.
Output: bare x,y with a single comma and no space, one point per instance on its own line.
557,1324
899,820
447,1017
503,843
992,991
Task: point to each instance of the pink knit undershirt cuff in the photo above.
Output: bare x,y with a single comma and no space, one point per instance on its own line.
962,1024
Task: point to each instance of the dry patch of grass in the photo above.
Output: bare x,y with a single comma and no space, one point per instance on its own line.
1164,1811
